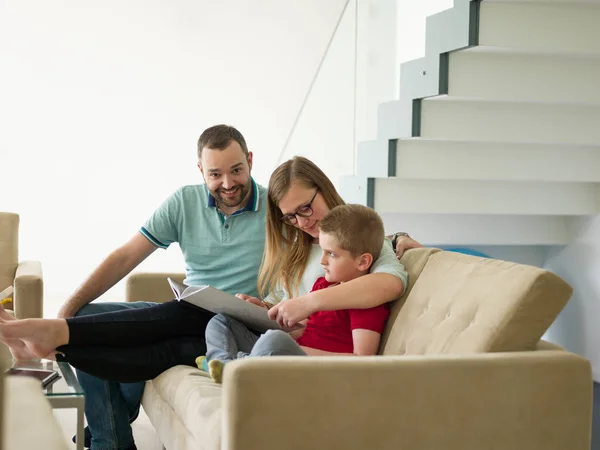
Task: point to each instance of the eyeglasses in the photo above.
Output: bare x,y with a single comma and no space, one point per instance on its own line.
303,211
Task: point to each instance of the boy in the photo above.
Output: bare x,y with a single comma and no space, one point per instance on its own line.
351,237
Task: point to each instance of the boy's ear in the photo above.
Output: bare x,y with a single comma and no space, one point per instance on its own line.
364,262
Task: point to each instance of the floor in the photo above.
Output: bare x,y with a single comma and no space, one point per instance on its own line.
146,438
143,431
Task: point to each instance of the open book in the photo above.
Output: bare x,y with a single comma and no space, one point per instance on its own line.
220,302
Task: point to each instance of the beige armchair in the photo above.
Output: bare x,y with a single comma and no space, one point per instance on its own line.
25,276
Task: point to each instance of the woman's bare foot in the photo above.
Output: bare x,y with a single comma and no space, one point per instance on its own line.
5,316
39,337
19,350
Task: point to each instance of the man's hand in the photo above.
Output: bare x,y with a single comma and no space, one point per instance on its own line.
289,312
404,243
253,300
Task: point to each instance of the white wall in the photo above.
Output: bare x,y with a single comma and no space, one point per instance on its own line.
577,327
102,103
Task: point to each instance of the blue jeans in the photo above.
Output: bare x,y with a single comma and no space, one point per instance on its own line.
110,407
228,339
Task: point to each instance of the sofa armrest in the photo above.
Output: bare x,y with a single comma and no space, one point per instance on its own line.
29,290
525,400
150,287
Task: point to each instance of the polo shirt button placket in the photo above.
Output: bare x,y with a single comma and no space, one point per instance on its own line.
225,232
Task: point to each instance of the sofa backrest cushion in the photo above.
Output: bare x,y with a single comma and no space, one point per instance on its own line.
458,303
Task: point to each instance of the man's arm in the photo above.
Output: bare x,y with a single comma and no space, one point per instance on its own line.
112,270
365,342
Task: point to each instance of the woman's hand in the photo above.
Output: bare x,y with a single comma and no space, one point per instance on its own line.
289,312
404,243
254,300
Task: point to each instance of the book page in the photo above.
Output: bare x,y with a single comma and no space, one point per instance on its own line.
182,290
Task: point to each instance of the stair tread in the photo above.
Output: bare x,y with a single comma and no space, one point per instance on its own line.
502,144
491,49
464,99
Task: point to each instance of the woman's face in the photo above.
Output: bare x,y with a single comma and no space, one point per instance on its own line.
298,199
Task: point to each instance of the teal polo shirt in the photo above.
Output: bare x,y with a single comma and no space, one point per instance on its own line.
224,252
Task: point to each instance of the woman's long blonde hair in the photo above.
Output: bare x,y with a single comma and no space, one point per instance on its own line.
287,248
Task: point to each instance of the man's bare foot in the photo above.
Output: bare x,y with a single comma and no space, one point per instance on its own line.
39,336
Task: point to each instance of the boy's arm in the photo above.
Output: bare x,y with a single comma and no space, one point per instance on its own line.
366,342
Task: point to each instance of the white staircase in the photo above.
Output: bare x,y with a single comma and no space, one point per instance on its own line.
497,128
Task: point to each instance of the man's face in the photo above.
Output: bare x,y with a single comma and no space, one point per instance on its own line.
227,175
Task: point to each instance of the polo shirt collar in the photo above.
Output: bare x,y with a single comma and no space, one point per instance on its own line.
252,205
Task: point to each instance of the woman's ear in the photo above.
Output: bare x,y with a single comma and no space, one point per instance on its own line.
364,262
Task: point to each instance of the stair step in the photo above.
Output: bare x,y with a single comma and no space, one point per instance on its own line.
510,74
499,161
459,118
564,2
553,26
485,197
476,229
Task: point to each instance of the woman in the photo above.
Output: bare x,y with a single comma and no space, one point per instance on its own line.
109,345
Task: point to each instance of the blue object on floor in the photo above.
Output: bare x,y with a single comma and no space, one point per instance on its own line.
466,251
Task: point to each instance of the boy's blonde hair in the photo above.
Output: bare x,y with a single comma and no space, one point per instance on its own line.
357,229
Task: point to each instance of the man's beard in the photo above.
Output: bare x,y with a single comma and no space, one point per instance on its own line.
231,202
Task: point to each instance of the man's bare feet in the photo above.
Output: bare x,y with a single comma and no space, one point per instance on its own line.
39,337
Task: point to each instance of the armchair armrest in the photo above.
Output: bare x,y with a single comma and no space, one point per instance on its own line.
150,287
522,400
29,290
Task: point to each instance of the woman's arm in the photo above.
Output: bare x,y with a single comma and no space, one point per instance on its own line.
364,292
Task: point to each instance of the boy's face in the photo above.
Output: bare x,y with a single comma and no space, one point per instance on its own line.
339,264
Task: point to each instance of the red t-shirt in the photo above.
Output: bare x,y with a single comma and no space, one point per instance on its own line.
332,330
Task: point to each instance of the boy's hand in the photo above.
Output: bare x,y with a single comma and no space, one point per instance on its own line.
253,300
289,312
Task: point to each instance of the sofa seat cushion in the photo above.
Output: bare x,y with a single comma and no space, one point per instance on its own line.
465,304
194,399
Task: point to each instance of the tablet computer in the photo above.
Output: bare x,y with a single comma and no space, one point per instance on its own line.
46,377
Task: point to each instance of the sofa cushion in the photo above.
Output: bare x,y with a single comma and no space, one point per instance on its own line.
465,304
194,399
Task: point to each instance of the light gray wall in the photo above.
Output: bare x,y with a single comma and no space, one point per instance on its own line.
577,328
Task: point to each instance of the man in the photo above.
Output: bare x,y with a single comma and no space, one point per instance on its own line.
220,227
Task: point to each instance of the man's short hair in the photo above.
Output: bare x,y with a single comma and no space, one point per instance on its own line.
218,137
357,229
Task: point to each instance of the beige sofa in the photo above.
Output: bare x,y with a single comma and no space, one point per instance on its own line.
461,367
